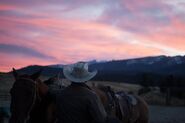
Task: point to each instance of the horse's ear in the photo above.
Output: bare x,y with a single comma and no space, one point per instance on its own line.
15,74
36,75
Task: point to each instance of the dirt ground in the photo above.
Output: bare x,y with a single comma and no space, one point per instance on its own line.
162,114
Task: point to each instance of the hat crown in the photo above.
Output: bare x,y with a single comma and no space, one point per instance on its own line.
80,69
81,66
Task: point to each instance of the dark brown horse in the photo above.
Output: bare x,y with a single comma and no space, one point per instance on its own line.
29,100
128,108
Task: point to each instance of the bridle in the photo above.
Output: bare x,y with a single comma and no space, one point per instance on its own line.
35,95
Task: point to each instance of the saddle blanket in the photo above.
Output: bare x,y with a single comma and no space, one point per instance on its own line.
130,98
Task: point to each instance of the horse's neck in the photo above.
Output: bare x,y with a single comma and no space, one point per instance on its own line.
37,114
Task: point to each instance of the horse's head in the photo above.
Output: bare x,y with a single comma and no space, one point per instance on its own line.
26,90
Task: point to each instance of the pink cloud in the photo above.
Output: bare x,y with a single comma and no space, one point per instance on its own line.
7,7
125,30
172,35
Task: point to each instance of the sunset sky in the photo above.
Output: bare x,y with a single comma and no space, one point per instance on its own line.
47,32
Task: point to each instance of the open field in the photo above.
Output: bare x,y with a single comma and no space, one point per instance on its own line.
117,86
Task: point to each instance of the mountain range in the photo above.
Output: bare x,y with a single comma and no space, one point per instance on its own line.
130,70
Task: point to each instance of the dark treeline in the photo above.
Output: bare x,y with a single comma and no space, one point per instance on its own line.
170,85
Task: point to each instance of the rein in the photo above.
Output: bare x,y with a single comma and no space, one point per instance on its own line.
34,97
31,107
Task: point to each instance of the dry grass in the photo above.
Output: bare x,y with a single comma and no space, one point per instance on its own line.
163,114
6,82
117,86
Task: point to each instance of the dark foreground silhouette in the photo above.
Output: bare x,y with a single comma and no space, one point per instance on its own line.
30,102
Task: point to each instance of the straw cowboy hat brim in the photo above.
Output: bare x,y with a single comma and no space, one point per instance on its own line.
78,78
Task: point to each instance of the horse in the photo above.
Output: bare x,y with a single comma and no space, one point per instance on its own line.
127,108
29,100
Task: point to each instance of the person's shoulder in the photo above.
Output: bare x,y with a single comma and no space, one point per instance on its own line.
89,92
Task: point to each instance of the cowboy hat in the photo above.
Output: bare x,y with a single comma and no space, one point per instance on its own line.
78,72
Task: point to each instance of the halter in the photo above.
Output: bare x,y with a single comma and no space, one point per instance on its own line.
34,95
34,100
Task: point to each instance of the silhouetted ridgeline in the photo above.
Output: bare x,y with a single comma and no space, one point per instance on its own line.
46,70
154,69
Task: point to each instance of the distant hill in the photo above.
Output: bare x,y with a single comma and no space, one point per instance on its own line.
158,65
46,70
130,70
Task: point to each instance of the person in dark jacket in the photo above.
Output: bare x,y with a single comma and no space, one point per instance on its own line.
78,103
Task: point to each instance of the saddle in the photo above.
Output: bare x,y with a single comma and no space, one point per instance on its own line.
124,105
122,102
